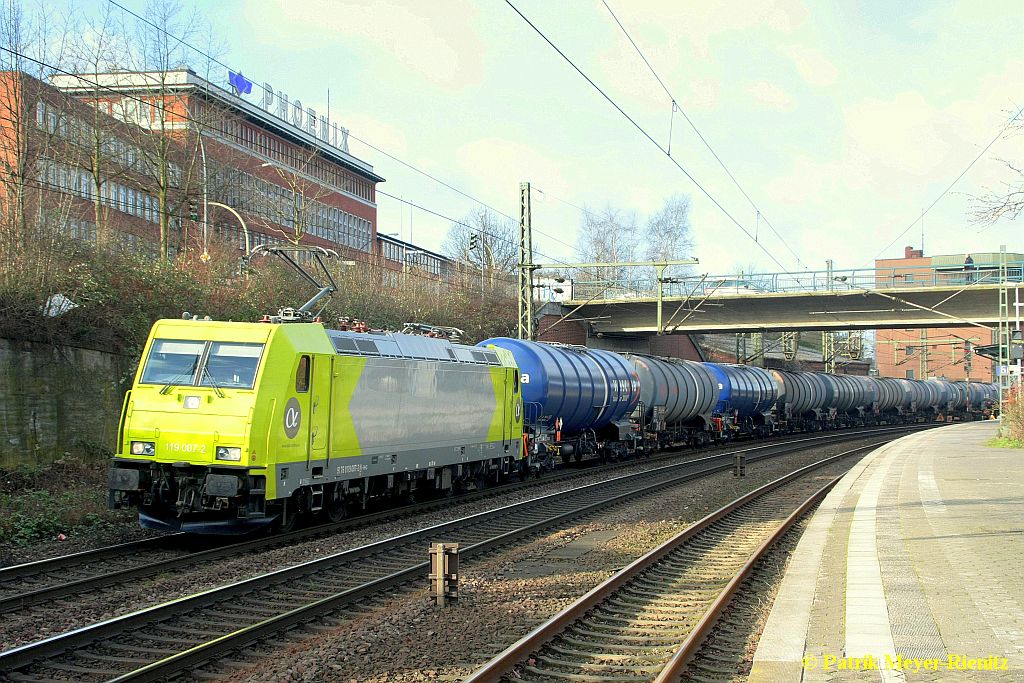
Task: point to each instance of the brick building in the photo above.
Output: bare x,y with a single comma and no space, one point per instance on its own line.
920,354
289,177
48,164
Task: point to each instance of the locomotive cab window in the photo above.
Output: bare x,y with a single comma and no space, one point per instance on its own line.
302,375
172,362
231,364
175,362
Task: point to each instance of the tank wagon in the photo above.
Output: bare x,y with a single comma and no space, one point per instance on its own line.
230,427
746,397
677,401
577,401
802,402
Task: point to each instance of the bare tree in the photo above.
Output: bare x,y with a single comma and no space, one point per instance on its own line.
94,51
31,130
167,132
668,236
294,208
748,275
485,240
608,236
1008,202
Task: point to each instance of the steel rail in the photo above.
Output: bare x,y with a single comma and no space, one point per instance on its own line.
503,663
31,570
51,647
18,571
189,558
675,666
62,587
198,655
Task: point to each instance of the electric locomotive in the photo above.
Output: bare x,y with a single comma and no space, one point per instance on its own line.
230,426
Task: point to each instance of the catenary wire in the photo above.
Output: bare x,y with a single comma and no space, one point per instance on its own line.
454,189
955,181
354,254
678,107
644,132
407,164
189,118
655,143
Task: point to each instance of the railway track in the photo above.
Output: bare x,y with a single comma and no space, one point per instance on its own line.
160,641
33,583
43,581
646,622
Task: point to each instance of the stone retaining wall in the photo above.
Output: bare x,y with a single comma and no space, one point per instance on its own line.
56,400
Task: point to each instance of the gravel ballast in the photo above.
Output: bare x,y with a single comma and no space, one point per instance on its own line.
506,595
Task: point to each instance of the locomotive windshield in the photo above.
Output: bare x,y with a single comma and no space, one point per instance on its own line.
202,363
232,364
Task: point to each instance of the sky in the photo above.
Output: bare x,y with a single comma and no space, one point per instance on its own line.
840,121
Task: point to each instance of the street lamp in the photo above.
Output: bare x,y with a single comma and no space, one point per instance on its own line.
205,257
245,230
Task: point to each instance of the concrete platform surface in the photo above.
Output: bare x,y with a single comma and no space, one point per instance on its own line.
911,569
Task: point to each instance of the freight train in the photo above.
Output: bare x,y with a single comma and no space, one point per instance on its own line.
582,402
231,427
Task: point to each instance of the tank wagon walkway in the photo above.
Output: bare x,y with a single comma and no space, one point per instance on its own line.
915,555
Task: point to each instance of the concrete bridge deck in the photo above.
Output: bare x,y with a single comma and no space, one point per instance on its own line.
850,309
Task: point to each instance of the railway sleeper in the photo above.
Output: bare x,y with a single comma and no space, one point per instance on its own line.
633,654
638,648
596,667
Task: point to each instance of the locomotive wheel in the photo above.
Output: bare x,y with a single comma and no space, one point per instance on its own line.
336,509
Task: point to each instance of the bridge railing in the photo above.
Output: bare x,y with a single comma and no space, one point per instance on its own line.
806,281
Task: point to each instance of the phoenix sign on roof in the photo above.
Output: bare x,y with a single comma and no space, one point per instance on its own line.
277,103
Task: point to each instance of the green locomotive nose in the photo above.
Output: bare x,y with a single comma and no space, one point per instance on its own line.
186,431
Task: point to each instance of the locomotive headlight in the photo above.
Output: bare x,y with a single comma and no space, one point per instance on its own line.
143,448
225,453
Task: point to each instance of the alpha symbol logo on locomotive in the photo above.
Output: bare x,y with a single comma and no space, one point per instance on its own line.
292,417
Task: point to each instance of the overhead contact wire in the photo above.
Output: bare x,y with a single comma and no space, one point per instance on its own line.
677,107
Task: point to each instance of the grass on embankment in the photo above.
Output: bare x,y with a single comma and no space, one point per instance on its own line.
67,497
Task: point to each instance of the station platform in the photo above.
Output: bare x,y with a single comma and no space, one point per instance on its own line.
911,569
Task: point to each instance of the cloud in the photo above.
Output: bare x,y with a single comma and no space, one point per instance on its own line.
700,23
375,132
904,133
502,164
436,42
811,64
771,95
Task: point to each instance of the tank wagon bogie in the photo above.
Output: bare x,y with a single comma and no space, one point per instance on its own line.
236,426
